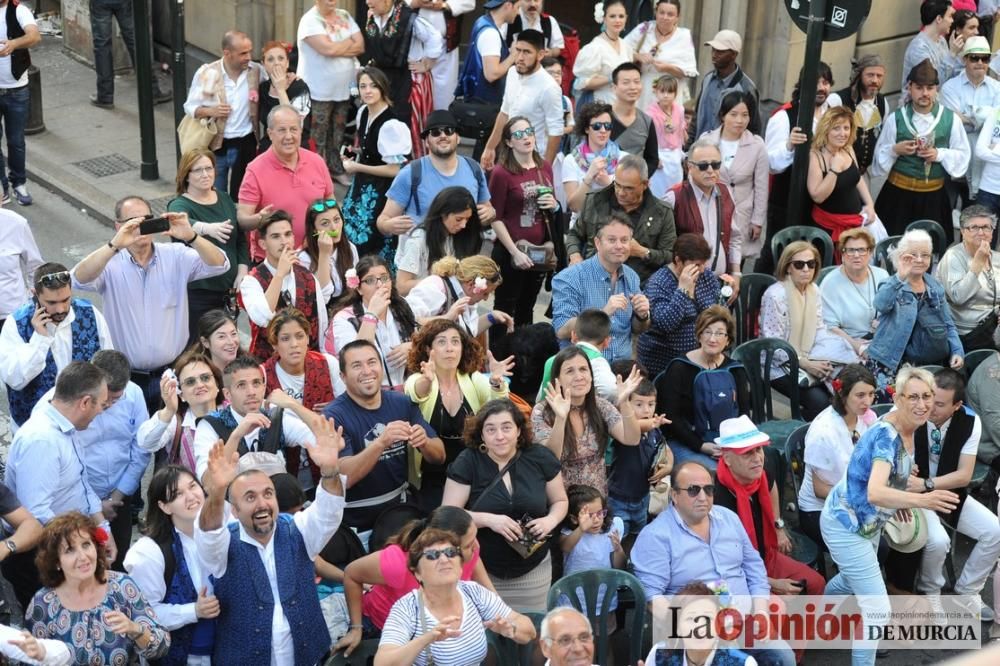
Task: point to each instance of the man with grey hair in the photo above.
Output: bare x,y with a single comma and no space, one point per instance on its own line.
284,177
863,96
652,221
567,639
702,207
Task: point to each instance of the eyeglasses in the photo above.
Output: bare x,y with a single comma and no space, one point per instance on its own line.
438,131
598,514
432,554
856,251
53,280
715,334
703,166
798,264
979,228
321,206
190,382
935,442
201,170
381,279
520,134
980,57
567,641
597,127
914,398
694,491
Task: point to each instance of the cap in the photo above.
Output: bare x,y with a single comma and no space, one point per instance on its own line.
726,40
923,74
976,45
440,118
269,463
740,435
493,4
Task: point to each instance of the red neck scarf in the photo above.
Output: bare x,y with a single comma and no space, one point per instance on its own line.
743,492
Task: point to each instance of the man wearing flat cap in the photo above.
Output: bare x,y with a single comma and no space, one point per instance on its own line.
922,143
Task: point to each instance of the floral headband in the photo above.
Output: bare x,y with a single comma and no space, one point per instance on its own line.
599,13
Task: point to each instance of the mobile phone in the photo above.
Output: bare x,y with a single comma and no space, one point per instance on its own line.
537,256
153,225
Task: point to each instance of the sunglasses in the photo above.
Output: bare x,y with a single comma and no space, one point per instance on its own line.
190,382
321,206
438,131
978,58
703,166
50,280
694,491
520,134
597,127
432,554
798,264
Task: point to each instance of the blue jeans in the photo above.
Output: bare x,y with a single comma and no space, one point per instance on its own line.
231,162
859,575
683,454
14,114
633,514
101,12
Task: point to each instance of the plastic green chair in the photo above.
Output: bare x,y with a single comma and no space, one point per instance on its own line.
882,249
882,409
364,655
939,237
509,652
973,359
804,549
818,237
747,305
590,582
826,271
756,357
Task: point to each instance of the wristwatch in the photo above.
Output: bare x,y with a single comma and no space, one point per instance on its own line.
928,485
779,524
11,546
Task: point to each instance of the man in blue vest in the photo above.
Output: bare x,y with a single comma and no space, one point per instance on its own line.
43,335
262,565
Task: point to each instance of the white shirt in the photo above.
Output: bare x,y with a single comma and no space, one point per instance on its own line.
778,130
988,150
973,102
538,98
144,562
56,652
387,338
336,287
237,93
426,42
21,361
19,259
429,297
24,19
557,41
294,385
970,448
436,17
296,434
489,43
153,434
954,159
316,524
259,311
828,450
329,78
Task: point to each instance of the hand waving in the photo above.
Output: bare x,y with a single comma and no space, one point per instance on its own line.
629,385
500,369
222,466
329,441
558,399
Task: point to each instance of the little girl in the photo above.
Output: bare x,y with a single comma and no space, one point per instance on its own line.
590,539
671,131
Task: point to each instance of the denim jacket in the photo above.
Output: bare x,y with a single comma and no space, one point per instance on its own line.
899,315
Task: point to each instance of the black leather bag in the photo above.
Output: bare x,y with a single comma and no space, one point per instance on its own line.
475,118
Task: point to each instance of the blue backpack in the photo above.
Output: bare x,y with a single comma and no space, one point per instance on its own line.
714,399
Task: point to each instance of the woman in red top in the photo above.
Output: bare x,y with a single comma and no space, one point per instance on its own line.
387,572
521,192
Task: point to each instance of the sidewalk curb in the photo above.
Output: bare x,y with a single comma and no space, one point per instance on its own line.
81,194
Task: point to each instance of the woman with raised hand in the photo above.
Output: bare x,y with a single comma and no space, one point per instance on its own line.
327,251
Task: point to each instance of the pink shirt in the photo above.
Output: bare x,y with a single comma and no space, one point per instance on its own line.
377,602
668,140
268,181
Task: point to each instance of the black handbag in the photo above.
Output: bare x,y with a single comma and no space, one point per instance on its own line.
475,118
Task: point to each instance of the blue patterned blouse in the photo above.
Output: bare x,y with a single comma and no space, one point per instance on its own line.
849,498
87,636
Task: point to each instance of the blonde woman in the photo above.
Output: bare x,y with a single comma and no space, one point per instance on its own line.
454,288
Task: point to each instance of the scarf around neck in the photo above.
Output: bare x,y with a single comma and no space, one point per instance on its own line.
762,489
802,310
584,155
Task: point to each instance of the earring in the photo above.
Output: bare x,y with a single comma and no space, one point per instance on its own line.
482,446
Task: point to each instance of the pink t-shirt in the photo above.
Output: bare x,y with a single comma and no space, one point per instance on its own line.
268,181
378,601
669,140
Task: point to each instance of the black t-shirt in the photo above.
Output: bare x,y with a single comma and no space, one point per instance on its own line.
725,497
8,501
536,467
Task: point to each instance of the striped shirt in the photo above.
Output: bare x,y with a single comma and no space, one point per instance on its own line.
466,649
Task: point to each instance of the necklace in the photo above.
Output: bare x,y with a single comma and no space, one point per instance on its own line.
612,41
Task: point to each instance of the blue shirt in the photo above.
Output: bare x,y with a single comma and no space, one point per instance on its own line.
109,446
433,181
848,500
588,285
45,467
668,555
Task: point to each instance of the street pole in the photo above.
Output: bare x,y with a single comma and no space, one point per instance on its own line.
179,66
148,170
807,107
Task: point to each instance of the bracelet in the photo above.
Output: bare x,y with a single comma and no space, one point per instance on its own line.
334,475
369,318
192,240
113,248
490,318
355,626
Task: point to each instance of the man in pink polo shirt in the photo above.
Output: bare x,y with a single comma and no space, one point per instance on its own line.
284,177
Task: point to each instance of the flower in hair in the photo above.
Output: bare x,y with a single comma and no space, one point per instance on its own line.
351,277
837,385
101,536
479,286
891,390
720,588
599,13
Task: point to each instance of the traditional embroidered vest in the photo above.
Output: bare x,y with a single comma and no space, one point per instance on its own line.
911,165
687,214
86,343
269,440
959,431
20,59
317,389
305,302
472,83
246,603
191,639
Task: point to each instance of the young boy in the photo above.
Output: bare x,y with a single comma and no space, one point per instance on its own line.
554,67
671,131
632,468
592,334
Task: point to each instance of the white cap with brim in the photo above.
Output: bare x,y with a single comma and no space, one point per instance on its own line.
976,46
726,40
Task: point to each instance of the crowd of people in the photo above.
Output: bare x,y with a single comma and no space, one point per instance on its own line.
404,449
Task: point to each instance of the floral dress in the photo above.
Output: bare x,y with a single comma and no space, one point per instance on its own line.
85,633
586,467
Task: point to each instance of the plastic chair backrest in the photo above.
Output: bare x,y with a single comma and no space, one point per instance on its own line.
363,655
826,271
882,252
974,358
747,310
756,357
509,652
939,238
590,582
818,237
795,455
390,522
882,409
